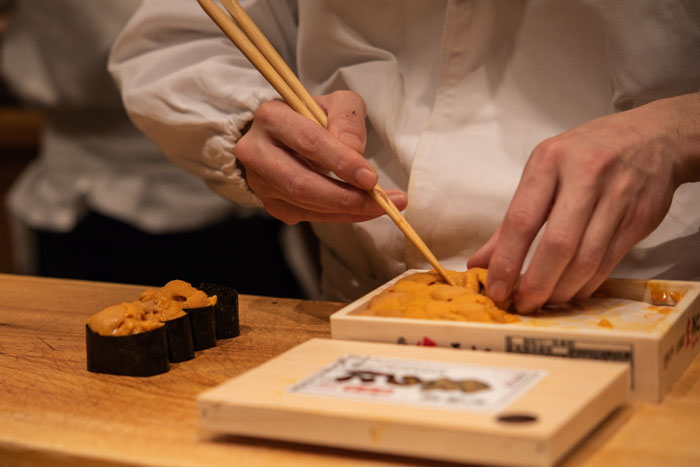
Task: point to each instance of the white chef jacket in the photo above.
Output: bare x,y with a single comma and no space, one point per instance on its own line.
54,56
458,94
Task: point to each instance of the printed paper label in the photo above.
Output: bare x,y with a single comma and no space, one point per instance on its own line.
420,382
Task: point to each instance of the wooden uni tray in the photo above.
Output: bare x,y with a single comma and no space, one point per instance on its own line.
653,325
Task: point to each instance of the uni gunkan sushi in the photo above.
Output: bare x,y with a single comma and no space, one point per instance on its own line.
196,303
164,326
177,328
123,340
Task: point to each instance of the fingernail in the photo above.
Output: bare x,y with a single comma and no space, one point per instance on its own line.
524,306
365,178
498,290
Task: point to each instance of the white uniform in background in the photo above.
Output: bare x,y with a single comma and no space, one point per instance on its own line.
54,57
458,94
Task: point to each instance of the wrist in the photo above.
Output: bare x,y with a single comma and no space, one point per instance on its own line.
682,117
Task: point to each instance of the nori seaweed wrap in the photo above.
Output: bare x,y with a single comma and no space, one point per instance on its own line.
226,309
203,324
179,335
143,354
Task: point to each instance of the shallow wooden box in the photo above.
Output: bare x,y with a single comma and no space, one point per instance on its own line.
655,327
528,410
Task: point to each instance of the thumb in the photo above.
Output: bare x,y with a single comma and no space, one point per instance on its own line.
482,257
346,118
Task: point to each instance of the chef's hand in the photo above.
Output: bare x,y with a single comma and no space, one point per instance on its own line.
598,189
287,158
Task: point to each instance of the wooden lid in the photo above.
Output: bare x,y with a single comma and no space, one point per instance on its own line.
427,402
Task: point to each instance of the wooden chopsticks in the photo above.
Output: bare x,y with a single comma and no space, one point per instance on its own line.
258,50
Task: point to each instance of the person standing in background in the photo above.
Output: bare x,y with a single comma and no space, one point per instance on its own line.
101,201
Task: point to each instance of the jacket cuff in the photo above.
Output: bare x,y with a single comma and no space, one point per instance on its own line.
224,175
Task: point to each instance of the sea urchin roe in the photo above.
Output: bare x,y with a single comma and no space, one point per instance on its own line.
162,310
124,319
180,292
604,323
425,295
155,307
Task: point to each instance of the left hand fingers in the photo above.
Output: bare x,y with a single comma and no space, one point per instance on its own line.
592,260
560,242
525,216
625,235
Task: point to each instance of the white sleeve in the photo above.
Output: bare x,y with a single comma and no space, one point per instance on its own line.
190,90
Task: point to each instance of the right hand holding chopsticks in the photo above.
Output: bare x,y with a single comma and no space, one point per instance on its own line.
285,156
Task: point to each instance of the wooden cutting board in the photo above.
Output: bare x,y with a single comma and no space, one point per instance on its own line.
426,402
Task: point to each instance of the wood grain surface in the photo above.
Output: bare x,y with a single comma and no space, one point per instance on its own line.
54,412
